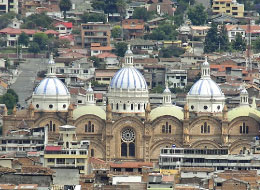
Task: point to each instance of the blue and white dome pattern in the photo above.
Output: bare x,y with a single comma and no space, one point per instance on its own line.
128,78
205,87
51,86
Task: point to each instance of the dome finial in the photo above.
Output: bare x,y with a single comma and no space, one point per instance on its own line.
51,67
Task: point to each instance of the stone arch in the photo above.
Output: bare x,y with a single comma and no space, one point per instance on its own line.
215,125
57,121
127,122
156,147
175,123
99,123
249,121
238,145
203,143
99,149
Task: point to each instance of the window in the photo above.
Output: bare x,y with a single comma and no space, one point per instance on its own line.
128,143
37,106
64,106
51,126
124,106
89,127
192,107
139,106
244,129
12,35
132,106
117,106
205,128
92,153
51,159
166,128
205,107
50,106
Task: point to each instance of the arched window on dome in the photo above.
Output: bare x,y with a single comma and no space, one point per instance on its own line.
89,127
205,128
117,106
132,106
139,106
124,106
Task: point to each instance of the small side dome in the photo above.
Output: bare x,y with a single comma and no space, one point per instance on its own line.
89,89
174,111
91,110
244,111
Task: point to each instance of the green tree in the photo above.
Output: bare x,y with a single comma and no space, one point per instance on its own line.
9,100
121,48
223,39
6,19
34,48
23,39
197,15
142,13
37,21
256,45
96,61
171,51
11,91
65,5
121,7
41,39
165,31
158,89
93,17
108,6
211,43
239,43
116,32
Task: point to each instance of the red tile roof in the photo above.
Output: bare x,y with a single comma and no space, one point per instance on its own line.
18,31
108,48
131,165
66,24
51,32
68,37
53,148
106,54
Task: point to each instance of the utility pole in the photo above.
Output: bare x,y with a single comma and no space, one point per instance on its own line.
249,68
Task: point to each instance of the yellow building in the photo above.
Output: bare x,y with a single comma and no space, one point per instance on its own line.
230,7
67,152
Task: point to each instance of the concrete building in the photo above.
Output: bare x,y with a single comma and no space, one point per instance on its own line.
176,78
68,152
230,7
8,6
95,33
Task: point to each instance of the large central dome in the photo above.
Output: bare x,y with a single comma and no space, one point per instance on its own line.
128,78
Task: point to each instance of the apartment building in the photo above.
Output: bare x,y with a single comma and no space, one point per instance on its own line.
95,33
176,78
230,7
68,152
8,6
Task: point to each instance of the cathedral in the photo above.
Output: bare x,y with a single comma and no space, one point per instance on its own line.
128,129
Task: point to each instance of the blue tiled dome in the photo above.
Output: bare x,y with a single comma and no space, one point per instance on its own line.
205,87
51,86
128,78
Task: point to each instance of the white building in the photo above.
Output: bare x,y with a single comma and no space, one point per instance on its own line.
128,92
232,31
205,95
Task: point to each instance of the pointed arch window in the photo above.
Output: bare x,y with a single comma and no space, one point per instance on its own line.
51,126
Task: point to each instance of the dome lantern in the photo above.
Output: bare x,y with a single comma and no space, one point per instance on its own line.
167,96
51,67
205,69
244,96
90,100
129,57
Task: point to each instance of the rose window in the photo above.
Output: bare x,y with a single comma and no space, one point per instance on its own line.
128,135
